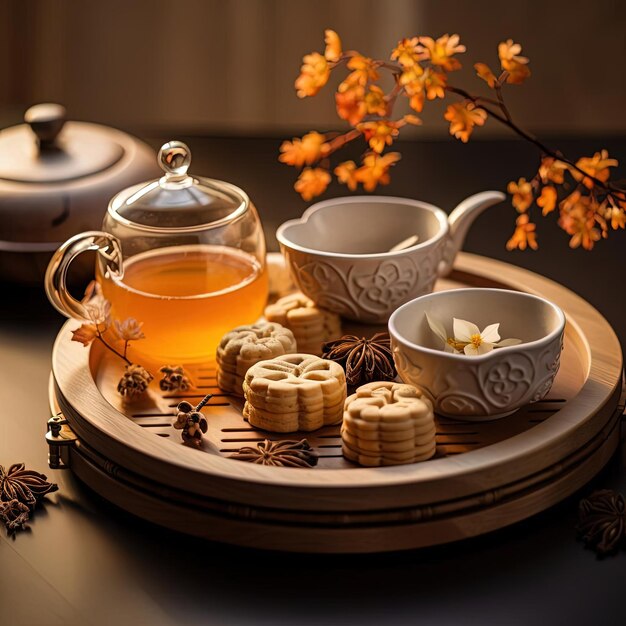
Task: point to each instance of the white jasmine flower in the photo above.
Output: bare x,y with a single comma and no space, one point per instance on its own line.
468,338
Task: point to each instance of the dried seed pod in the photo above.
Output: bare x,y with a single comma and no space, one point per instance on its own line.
364,360
14,514
602,521
134,382
26,486
191,421
174,378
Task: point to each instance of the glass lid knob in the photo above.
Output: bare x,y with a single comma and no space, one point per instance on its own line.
174,159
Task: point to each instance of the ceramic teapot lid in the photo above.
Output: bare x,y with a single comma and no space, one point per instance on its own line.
47,150
177,199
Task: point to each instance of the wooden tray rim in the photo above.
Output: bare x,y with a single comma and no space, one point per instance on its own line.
77,389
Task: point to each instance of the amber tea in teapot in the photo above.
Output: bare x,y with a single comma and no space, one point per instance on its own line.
202,291
185,256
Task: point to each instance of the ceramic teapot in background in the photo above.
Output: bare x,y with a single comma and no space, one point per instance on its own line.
364,256
183,255
56,178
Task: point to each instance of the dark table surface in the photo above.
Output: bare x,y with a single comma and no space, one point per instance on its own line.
85,562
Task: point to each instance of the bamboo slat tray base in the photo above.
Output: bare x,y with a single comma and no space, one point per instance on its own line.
485,474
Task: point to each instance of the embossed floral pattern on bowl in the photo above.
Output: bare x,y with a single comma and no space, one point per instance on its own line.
492,385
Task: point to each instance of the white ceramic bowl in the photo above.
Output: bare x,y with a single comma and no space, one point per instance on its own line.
336,254
491,385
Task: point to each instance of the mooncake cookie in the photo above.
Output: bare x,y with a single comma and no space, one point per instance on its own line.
294,392
387,423
310,325
246,345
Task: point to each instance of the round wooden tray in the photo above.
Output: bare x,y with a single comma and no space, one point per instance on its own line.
485,475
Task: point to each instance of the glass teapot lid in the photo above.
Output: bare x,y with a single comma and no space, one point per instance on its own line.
178,200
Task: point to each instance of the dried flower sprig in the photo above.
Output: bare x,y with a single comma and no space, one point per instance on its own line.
589,203
136,378
467,338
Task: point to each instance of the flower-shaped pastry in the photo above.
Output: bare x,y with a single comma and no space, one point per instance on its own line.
311,326
387,423
294,392
244,346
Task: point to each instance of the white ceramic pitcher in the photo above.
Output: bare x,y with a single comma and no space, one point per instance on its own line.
341,252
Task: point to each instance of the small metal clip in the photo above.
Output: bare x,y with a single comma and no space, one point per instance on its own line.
59,437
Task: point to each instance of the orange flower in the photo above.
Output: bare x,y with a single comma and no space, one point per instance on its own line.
345,174
617,217
364,71
578,219
375,102
416,102
410,78
351,105
463,116
517,73
380,133
414,87
434,84
408,52
547,199
85,334
440,52
522,193
552,170
524,235
312,182
512,62
509,51
484,72
596,166
333,46
303,151
375,169
314,75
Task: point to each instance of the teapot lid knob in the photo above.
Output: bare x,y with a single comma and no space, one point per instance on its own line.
174,159
46,120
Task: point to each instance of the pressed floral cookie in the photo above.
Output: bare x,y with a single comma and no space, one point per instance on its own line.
246,345
310,325
387,423
294,392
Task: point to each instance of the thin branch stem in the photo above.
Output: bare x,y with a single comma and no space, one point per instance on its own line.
342,140
532,139
112,349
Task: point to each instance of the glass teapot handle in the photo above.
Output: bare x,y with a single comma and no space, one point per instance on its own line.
56,274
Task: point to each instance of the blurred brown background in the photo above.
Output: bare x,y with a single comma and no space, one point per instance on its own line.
227,66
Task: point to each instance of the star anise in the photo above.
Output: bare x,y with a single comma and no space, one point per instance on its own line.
364,360
26,486
14,514
602,521
279,453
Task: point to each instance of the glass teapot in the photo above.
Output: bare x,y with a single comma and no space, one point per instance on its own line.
183,255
